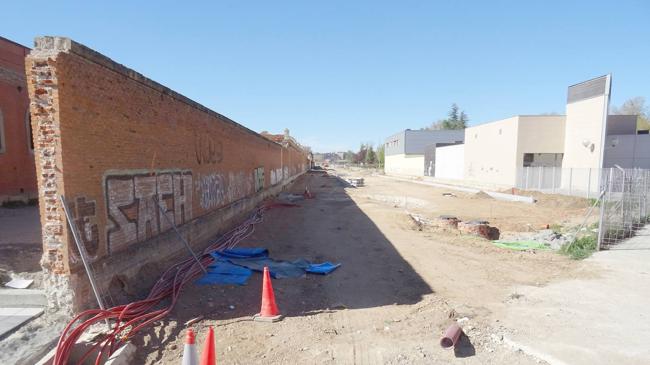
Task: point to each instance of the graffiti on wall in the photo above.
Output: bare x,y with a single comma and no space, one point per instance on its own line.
215,189
131,203
276,176
207,149
258,178
211,190
85,219
240,184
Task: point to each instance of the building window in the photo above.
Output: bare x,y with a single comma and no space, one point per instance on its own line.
28,128
2,133
528,159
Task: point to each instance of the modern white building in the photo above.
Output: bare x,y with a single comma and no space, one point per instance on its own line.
405,151
561,151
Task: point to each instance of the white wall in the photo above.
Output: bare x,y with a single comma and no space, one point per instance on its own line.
491,152
584,123
450,162
412,165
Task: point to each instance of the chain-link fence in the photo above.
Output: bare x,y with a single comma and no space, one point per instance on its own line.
624,206
582,182
623,195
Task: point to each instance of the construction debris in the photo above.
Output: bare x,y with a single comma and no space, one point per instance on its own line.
290,198
547,238
479,228
18,283
355,181
451,336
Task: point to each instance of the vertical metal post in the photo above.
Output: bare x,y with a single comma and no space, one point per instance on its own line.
84,258
589,184
623,197
645,194
637,189
527,175
180,236
603,205
553,183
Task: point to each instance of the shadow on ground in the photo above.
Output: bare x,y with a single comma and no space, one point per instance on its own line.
464,347
330,227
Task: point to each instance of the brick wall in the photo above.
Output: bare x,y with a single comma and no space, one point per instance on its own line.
113,141
17,171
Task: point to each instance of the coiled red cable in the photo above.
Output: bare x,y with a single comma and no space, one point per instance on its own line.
128,319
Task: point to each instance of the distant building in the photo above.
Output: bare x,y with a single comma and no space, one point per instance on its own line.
17,168
405,151
531,148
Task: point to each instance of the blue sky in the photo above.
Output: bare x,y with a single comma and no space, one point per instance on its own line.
337,73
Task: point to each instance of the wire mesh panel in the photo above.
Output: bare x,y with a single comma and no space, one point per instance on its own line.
581,182
624,207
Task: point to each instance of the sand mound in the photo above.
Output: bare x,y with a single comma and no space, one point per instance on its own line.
481,195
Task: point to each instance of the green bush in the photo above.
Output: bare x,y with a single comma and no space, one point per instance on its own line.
593,201
581,248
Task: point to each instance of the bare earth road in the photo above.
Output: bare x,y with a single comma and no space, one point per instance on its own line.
396,291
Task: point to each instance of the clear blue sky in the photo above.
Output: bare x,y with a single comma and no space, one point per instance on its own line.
337,73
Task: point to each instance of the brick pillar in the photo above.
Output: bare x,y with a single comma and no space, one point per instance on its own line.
43,92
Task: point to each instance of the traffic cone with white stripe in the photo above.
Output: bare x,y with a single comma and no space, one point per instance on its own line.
189,351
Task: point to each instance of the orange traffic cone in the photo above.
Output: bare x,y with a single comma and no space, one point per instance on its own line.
307,194
189,351
269,311
208,356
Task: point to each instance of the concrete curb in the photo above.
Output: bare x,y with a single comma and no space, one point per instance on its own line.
494,194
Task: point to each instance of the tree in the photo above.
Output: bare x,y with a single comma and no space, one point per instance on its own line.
349,156
462,120
635,106
381,151
457,119
371,157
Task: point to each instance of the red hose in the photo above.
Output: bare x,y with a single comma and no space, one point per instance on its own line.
131,318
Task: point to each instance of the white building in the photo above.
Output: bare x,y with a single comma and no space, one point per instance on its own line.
405,151
563,151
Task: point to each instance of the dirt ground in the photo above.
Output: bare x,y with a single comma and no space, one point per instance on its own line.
397,290
20,243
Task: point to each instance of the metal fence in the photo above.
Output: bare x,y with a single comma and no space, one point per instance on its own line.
582,182
623,195
624,205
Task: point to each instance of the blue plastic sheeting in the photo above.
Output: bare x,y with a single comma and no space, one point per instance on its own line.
234,266
223,272
323,269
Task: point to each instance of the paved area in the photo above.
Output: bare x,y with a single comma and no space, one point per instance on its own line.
11,318
20,252
20,225
595,320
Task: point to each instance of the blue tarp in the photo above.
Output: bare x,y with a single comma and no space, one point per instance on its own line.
234,266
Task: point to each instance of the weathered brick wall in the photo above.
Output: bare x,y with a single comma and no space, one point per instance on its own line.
113,142
17,172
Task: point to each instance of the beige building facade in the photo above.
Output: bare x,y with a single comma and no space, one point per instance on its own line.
566,152
494,151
